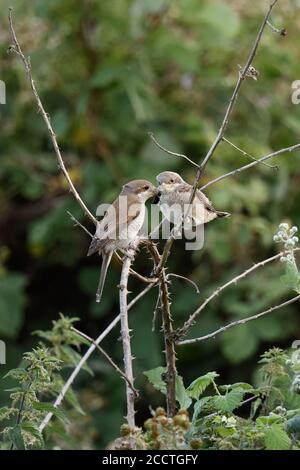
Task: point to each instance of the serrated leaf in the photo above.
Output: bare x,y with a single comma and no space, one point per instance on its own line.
276,438
181,393
16,437
155,378
50,408
199,406
230,401
33,430
197,387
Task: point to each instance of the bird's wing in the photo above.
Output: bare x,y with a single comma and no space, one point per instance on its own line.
116,219
205,201
185,190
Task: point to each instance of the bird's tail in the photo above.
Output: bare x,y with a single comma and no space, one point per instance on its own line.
106,258
223,214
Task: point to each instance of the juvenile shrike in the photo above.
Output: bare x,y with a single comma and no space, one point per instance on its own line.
174,192
121,224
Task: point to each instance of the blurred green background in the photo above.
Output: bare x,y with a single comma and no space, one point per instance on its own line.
109,72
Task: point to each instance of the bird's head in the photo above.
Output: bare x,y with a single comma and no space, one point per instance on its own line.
143,189
167,180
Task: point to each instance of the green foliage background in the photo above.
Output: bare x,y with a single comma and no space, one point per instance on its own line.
109,72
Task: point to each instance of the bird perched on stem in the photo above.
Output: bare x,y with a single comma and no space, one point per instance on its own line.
122,221
174,197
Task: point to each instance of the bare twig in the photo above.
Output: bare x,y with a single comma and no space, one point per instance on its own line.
125,334
180,155
109,359
241,77
250,165
170,375
17,49
282,31
239,322
220,135
248,154
180,332
78,224
185,279
85,357
157,306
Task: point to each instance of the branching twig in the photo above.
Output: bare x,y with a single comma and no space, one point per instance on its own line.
85,357
170,376
239,322
109,359
241,77
248,154
185,279
125,334
282,31
250,165
180,332
221,132
180,155
17,49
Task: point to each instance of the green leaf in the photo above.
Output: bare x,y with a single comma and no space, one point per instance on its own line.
181,394
16,437
197,387
293,425
155,378
50,408
228,402
276,438
33,430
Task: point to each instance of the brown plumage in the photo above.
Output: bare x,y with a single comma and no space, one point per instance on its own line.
121,224
173,190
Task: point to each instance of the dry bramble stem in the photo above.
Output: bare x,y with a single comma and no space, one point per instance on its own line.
87,354
242,321
180,332
17,49
107,356
125,334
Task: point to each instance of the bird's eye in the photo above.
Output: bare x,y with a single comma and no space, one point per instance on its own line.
171,180
146,188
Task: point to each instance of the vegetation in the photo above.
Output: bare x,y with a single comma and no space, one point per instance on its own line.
108,76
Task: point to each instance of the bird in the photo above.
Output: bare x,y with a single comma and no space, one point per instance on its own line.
122,221
174,192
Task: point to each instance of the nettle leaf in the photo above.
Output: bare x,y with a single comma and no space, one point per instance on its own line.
200,406
33,430
16,437
155,378
228,402
181,394
291,277
276,438
50,408
197,387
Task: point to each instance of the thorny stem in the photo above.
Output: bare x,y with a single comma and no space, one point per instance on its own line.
125,334
107,356
180,332
17,49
